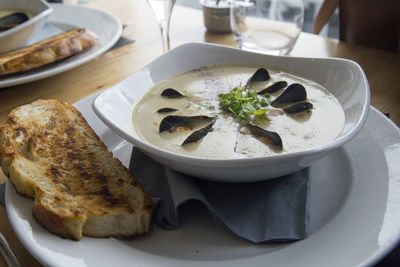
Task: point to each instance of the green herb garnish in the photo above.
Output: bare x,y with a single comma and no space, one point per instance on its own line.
243,103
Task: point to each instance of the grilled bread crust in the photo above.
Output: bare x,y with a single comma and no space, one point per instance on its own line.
47,51
51,154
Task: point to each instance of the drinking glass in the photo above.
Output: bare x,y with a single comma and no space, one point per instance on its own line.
162,10
269,26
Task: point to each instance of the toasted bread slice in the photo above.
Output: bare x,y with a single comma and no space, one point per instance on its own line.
47,51
51,154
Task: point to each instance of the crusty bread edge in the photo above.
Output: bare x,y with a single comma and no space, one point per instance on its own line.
52,221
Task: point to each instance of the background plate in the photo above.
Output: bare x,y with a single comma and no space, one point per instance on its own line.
64,17
355,195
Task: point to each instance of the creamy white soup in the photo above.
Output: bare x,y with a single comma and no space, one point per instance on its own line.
227,136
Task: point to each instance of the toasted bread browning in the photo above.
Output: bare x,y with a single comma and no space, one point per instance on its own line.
47,51
51,154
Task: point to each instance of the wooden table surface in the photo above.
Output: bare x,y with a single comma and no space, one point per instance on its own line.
382,69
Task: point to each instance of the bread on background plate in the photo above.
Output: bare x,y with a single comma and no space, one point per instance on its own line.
48,51
51,154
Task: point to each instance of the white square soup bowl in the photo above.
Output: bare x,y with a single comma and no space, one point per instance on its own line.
343,78
38,11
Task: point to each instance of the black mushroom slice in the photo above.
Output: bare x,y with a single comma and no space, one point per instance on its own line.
197,135
173,122
165,110
171,93
12,20
273,88
294,93
260,75
298,107
266,136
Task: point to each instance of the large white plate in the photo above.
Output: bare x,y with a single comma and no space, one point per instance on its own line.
64,17
355,197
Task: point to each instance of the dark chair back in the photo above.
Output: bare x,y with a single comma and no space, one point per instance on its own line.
373,23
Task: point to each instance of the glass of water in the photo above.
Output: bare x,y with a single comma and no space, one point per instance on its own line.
269,26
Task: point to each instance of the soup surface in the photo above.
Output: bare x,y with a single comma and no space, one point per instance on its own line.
8,11
229,137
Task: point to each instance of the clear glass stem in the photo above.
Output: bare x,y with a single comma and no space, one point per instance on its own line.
162,10
164,28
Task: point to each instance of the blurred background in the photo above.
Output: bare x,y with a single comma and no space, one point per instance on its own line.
311,8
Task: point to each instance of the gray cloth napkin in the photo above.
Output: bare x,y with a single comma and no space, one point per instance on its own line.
121,42
269,211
